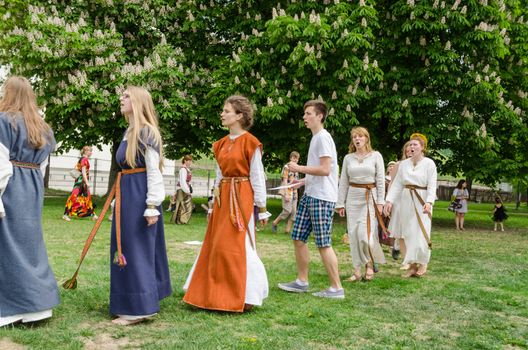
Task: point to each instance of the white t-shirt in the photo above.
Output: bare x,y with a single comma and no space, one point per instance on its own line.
322,187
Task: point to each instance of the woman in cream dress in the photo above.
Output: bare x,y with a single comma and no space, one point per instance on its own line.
416,184
361,188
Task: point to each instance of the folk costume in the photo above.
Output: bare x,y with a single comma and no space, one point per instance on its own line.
415,185
183,205
361,186
137,288
28,289
79,202
228,272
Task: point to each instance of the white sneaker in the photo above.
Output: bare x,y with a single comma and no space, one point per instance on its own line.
327,293
66,218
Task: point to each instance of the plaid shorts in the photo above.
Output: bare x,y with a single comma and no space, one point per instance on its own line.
314,215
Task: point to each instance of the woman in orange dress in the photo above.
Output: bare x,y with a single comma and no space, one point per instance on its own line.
79,202
228,275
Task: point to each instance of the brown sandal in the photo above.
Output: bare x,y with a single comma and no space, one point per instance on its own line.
354,278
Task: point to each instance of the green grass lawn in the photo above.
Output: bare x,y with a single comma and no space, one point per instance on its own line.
475,295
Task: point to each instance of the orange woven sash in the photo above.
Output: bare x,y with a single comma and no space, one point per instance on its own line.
238,219
120,258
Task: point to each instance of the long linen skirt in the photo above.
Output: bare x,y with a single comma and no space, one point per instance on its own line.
256,278
356,212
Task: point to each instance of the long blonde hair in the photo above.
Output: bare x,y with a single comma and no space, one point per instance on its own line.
19,101
404,150
359,130
143,125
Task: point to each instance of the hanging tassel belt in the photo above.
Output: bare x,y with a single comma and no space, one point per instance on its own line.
25,164
413,189
238,219
119,258
368,191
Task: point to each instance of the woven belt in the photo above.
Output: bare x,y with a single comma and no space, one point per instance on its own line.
25,164
119,258
236,214
368,191
413,189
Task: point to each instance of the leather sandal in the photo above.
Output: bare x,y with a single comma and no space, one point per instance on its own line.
354,278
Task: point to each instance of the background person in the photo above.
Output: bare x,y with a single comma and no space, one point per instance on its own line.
289,196
183,205
79,203
462,195
499,214
28,289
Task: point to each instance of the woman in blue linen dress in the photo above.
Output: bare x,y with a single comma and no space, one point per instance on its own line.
28,289
137,286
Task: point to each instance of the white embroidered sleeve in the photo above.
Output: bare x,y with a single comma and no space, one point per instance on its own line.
155,187
396,187
43,167
257,177
431,183
342,191
183,180
6,171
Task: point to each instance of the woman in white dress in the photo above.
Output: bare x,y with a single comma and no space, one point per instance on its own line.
361,193
395,228
416,184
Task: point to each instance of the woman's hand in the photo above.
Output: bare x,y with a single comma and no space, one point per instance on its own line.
263,222
341,212
427,208
380,208
151,220
387,208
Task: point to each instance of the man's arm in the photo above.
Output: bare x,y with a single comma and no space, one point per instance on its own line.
323,169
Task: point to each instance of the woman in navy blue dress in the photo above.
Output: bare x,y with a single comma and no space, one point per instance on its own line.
139,273
28,289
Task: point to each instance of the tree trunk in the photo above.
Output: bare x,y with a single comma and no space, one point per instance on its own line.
518,199
469,184
47,173
114,167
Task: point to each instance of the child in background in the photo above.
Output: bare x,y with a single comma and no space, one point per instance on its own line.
499,214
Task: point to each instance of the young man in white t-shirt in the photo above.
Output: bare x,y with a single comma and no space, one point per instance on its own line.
316,208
